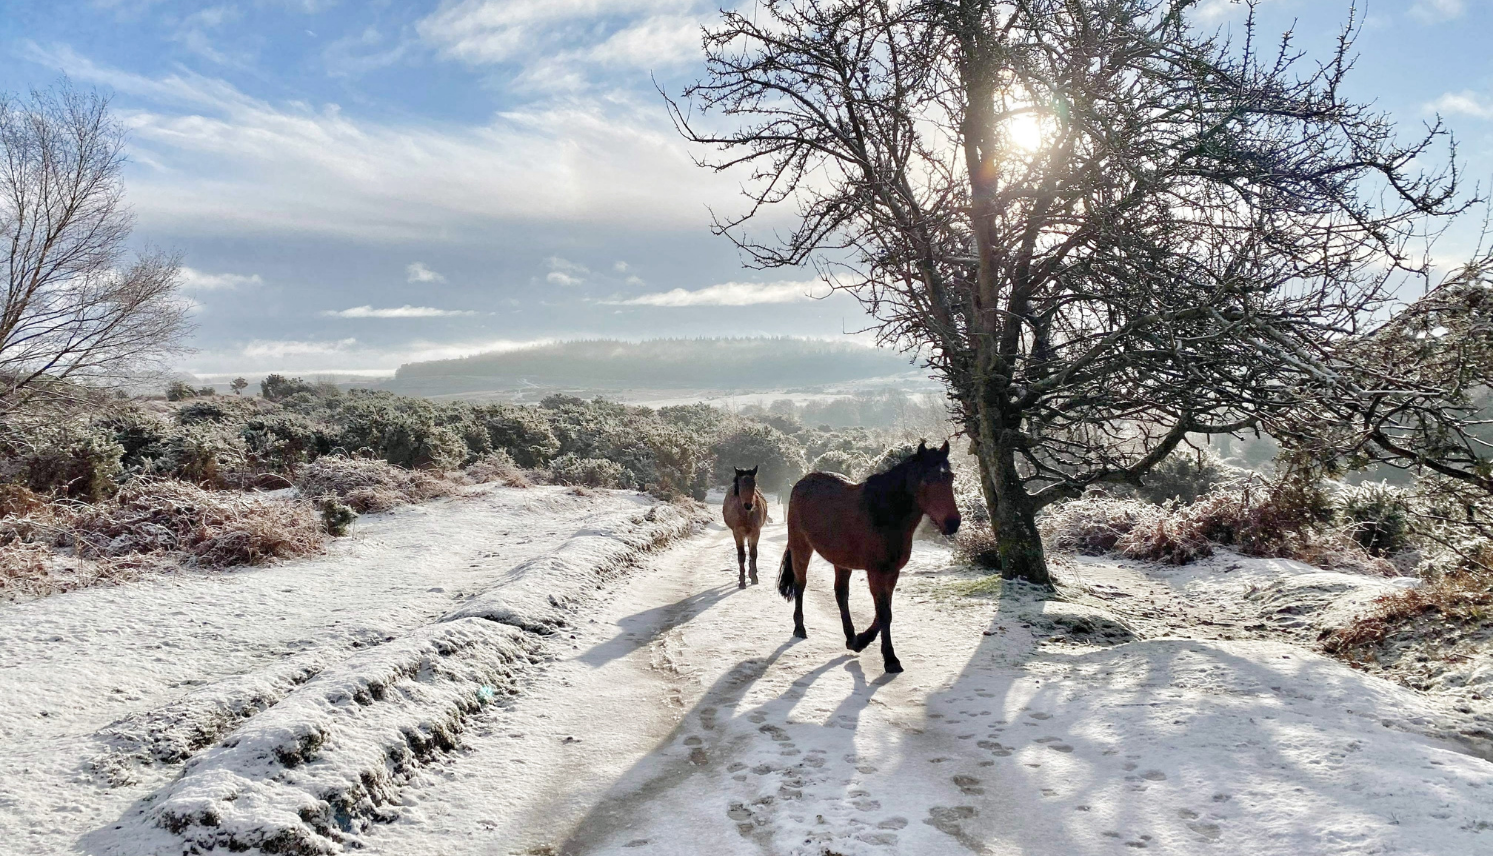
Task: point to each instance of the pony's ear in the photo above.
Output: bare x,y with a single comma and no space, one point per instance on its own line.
922,448
739,471
944,449
754,469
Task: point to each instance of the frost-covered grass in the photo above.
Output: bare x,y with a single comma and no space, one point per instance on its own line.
61,545
1268,520
370,485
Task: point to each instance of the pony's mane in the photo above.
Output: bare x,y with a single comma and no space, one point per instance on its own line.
887,497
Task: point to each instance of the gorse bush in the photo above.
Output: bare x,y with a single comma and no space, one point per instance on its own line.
369,485
1185,476
71,459
1378,516
780,459
586,472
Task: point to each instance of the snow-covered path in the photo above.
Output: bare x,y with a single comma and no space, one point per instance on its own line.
213,647
685,720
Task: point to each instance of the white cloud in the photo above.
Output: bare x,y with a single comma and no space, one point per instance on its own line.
279,348
728,294
405,311
1435,11
1466,103
342,355
196,280
211,159
620,267
418,272
565,273
492,31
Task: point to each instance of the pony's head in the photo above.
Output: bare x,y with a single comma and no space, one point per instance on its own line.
745,486
931,480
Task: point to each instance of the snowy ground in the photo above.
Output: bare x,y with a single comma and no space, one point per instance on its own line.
103,690
678,716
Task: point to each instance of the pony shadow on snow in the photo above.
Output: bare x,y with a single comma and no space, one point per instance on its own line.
725,730
643,627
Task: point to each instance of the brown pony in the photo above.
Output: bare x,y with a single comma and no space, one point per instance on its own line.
745,510
865,526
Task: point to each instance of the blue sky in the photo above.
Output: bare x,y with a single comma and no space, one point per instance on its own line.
357,184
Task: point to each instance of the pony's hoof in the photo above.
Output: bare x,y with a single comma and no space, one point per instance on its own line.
741,584
893,666
800,633
754,579
850,643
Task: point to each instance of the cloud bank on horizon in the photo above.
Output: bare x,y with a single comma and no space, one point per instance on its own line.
358,185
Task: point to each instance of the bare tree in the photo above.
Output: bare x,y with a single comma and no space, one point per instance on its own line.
76,313
1413,392
1108,229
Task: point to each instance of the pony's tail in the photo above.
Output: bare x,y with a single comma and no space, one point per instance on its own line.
787,585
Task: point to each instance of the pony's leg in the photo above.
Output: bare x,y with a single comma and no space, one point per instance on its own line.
752,547
865,637
882,586
740,559
842,597
802,553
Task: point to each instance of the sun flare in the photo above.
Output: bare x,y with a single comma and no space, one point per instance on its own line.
1024,132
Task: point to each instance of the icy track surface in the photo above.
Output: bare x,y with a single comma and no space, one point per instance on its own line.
670,713
687,721
103,692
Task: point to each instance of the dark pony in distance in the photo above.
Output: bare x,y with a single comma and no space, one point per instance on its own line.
745,511
867,527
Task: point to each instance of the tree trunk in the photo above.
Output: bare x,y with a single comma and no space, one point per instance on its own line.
1012,514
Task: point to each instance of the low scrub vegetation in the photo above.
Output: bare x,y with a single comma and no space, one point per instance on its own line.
177,479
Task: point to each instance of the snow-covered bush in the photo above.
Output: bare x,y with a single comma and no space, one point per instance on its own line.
750,444
497,466
839,461
976,545
1185,476
888,458
70,459
406,432
586,472
1093,524
281,442
368,485
219,409
1379,517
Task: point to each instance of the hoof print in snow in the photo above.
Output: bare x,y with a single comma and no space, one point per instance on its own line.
947,819
969,785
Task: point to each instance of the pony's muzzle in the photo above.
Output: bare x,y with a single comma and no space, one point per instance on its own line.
747,506
950,525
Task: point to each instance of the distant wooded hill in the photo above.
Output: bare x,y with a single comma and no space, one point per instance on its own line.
726,364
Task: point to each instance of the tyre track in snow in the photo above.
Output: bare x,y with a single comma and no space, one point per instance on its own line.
685,720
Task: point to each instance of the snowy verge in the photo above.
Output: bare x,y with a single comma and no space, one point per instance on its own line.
309,771
315,769
539,595
172,733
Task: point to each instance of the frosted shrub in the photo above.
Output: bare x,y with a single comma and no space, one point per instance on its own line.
497,466
586,472
368,485
1094,524
840,461
1378,517
69,459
